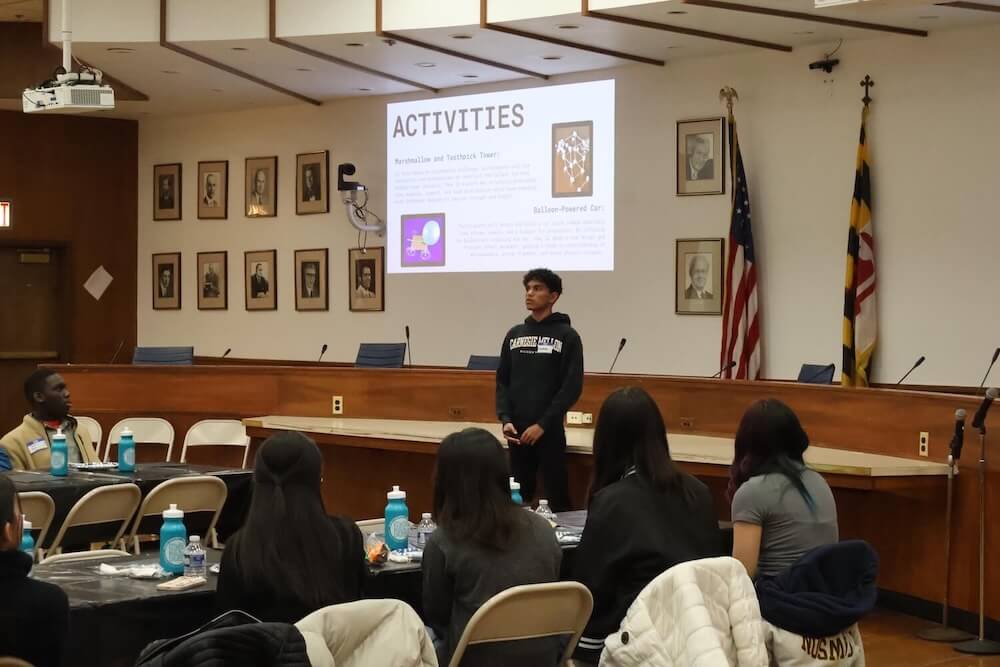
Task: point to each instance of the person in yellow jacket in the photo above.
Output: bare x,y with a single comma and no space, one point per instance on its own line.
29,446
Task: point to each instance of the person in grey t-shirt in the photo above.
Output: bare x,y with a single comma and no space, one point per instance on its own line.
781,508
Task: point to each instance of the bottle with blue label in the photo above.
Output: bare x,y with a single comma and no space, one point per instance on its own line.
515,492
173,540
60,455
397,520
126,452
27,540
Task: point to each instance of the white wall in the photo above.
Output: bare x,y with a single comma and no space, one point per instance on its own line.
934,144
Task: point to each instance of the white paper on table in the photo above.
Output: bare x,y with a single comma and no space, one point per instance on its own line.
98,282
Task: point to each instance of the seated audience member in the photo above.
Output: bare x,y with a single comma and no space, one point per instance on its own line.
484,544
34,615
289,558
781,508
28,446
644,515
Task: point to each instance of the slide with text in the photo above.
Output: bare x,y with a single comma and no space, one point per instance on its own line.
503,181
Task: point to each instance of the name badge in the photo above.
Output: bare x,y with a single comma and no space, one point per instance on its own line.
37,445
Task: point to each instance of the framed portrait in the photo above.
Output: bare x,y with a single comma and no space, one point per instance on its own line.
366,279
261,187
213,280
167,191
699,267
573,159
260,269
311,279
701,156
213,190
167,281
312,183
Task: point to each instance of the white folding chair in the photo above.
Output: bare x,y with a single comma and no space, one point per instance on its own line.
145,431
529,612
115,503
97,554
202,493
94,430
38,508
217,432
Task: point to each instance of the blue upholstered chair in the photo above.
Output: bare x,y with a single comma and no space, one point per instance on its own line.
381,355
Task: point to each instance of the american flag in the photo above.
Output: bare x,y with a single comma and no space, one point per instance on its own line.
740,321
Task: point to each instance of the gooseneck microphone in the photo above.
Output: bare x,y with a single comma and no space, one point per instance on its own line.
996,353
114,357
621,346
955,447
913,368
828,367
979,420
718,373
409,349
226,353
321,353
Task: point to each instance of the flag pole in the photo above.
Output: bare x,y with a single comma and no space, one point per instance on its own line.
729,95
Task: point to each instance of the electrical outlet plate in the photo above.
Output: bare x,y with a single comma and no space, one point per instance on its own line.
588,417
924,443
574,417
338,405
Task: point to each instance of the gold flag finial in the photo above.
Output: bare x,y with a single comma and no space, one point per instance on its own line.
729,95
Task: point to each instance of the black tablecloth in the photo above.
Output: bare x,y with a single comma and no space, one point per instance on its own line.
65,491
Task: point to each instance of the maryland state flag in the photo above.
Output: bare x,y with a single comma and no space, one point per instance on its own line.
860,328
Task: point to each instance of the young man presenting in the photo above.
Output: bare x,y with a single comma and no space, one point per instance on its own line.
540,377
29,445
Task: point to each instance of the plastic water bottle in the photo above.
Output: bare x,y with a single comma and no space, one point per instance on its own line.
60,455
515,492
173,539
27,540
397,520
424,529
545,511
194,558
126,452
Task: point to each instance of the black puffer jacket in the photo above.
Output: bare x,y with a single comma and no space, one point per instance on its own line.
232,639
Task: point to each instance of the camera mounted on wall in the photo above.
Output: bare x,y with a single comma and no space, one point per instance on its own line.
355,198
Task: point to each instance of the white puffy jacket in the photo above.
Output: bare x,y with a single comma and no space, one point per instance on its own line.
366,633
702,613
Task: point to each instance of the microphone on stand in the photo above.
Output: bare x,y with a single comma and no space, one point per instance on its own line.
621,346
996,353
114,357
226,353
979,420
919,361
955,448
818,373
409,350
321,353
718,374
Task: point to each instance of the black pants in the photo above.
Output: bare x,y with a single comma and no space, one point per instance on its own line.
549,453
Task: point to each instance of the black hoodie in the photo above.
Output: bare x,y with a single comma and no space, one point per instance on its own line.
541,373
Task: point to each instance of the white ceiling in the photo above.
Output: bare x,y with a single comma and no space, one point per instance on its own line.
198,87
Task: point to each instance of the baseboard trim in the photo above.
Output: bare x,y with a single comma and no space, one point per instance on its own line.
931,611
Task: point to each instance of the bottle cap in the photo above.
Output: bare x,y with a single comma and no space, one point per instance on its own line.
126,432
173,512
27,524
425,515
59,434
514,484
396,494
544,502
195,539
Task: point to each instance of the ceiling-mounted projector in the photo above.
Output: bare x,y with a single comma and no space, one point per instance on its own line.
65,98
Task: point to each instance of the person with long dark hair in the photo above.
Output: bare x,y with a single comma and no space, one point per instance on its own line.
484,544
34,615
781,508
644,515
289,558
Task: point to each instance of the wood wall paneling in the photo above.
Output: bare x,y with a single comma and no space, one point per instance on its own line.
903,519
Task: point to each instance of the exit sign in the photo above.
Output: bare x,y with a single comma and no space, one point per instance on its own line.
4,214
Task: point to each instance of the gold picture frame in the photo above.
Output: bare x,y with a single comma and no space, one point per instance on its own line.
366,279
